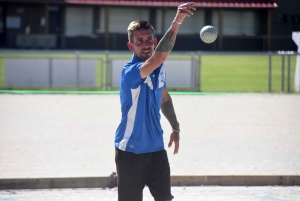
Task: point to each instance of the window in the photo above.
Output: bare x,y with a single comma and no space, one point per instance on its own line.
119,18
191,25
79,21
238,22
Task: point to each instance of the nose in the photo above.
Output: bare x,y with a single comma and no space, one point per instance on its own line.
146,43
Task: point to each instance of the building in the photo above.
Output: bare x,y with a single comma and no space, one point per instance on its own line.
243,25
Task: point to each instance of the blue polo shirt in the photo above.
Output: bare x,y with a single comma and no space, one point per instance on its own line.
140,130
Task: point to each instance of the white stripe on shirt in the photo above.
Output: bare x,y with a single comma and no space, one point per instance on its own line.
130,118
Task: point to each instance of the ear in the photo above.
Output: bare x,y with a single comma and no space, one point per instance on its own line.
130,46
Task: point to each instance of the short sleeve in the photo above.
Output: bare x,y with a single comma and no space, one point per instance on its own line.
132,75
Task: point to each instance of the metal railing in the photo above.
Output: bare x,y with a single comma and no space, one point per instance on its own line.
283,54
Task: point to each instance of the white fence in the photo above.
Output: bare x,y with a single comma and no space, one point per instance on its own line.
181,73
83,71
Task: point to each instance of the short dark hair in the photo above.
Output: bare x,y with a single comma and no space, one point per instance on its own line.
137,25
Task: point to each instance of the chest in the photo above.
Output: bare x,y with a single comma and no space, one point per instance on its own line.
156,80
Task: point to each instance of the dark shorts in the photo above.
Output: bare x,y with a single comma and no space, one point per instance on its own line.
137,170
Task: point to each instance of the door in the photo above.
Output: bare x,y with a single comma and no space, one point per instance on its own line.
54,23
54,20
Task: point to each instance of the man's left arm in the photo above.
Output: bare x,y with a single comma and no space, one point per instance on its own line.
167,109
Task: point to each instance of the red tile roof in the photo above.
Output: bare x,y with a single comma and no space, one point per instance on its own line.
175,3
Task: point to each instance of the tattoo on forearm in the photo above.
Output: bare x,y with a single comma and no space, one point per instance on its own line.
167,42
168,110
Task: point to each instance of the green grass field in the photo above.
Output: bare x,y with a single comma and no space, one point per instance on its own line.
244,73
219,73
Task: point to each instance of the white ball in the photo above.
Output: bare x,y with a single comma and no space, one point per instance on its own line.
208,34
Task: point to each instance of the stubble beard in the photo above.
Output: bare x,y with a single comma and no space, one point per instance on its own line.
143,57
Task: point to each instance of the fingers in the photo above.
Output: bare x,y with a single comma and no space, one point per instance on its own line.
176,142
187,8
176,149
189,5
170,142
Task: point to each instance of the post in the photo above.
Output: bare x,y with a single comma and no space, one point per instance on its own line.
163,23
199,76
108,70
220,30
282,74
77,71
106,29
2,72
46,28
270,72
193,73
289,73
269,29
50,72
152,16
101,74
62,32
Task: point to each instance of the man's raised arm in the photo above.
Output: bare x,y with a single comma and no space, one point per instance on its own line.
166,44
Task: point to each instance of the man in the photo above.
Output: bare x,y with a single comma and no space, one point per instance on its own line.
140,155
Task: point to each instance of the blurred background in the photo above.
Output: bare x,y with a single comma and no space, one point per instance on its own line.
81,45
74,47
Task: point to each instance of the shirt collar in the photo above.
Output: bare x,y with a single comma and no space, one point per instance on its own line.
134,59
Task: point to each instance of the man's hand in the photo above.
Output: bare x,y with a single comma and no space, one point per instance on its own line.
185,10
174,137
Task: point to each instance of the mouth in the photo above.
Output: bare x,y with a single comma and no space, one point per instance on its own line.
146,51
